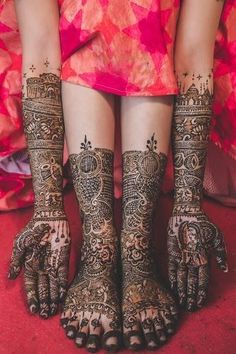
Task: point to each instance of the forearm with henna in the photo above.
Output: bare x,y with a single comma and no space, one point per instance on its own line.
191,235
43,246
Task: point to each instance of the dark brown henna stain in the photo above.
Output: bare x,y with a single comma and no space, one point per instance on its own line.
43,246
191,234
94,290
143,296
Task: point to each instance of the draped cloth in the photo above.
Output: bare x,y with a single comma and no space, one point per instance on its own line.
15,178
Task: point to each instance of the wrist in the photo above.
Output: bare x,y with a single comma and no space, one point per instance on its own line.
186,208
43,213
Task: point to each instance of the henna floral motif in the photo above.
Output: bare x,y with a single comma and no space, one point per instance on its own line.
145,301
191,235
43,246
93,294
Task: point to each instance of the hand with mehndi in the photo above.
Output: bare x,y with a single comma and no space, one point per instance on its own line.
191,240
43,248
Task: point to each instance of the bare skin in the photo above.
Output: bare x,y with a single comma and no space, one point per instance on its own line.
42,248
192,237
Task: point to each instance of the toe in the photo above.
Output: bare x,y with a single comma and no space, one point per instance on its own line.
93,343
133,338
72,327
94,338
160,328
169,321
83,330
148,329
65,317
111,340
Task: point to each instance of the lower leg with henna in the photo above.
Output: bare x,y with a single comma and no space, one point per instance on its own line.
92,309
149,312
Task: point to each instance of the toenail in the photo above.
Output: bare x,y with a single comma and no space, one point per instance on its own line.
134,340
163,338
80,339
70,333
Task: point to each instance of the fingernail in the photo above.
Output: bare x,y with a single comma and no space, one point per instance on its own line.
224,268
33,309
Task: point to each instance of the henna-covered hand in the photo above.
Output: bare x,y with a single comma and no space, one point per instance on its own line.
43,249
191,239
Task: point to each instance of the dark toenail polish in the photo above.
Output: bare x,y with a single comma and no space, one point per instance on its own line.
163,338
93,343
112,348
80,339
170,330
70,332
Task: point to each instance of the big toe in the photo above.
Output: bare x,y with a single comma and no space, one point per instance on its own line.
133,338
111,340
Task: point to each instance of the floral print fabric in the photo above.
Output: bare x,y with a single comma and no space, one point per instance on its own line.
122,47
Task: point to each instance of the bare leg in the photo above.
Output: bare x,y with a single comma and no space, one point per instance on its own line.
91,312
148,309
191,234
43,246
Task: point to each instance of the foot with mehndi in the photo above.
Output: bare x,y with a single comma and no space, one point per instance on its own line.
149,311
92,308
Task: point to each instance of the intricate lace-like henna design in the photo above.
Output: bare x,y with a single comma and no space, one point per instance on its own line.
145,301
191,234
43,246
93,297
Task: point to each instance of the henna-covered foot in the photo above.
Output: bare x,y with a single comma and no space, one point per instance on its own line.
92,309
149,311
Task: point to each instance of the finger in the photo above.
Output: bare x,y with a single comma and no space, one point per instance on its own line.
54,294
192,288
62,279
43,291
172,274
220,253
17,259
182,283
203,281
30,281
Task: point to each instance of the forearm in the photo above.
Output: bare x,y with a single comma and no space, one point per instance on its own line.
42,108
44,129
191,124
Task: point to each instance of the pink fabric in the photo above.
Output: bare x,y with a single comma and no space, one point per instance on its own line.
124,47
